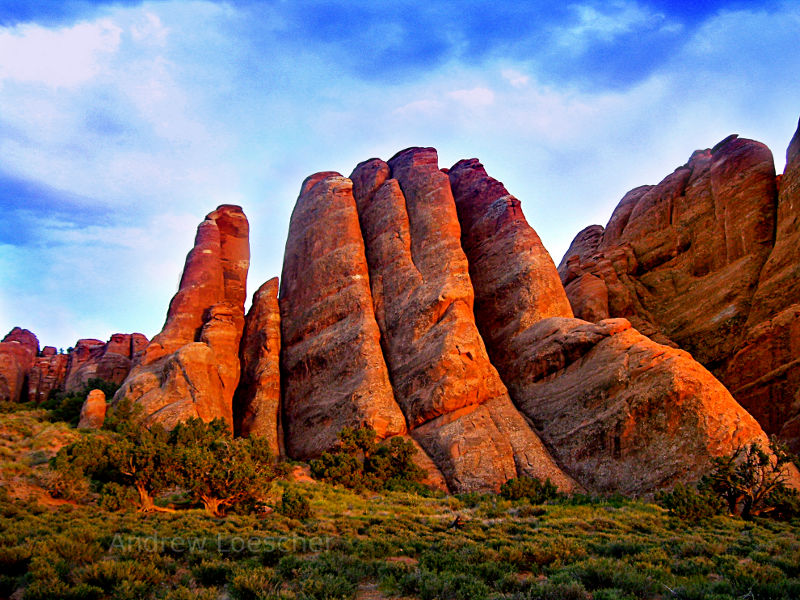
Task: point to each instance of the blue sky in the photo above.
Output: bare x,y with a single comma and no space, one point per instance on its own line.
123,123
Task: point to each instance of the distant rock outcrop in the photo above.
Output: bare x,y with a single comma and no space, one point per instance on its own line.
110,361
619,411
18,352
257,402
191,369
707,260
48,373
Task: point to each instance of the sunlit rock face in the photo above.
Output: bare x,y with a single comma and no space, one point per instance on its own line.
93,411
456,405
332,368
191,368
257,402
619,411
707,261
18,352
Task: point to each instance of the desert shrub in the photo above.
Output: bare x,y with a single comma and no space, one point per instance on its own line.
751,481
294,505
529,488
212,572
114,497
218,470
254,584
65,480
689,504
359,461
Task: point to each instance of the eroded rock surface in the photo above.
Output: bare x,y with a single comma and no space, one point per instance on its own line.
18,352
707,260
93,411
110,361
619,411
332,369
456,405
191,368
257,403
48,373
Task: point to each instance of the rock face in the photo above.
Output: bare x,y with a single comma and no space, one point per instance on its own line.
707,261
257,402
332,370
18,352
110,361
48,373
456,405
191,368
93,411
764,374
619,411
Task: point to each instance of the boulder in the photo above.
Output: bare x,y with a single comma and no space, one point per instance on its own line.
457,408
333,373
257,402
18,352
191,368
93,411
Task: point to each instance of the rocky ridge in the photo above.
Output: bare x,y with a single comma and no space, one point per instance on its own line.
707,261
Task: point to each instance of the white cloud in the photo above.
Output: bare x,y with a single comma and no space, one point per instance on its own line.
515,78
64,57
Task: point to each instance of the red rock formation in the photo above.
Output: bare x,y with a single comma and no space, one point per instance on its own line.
110,361
93,411
688,252
18,351
257,402
48,373
191,368
332,370
619,411
707,260
456,406
764,375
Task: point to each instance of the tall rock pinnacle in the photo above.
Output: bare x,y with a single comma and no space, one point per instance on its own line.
191,368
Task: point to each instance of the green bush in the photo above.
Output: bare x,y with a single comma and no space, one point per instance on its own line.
359,462
114,497
529,488
752,481
294,505
218,470
689,504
